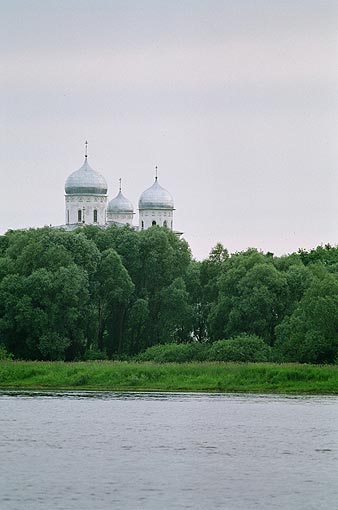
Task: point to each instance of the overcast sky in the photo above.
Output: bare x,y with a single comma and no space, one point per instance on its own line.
234,100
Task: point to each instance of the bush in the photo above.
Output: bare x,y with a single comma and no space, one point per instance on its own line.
94,355
245,348
174,353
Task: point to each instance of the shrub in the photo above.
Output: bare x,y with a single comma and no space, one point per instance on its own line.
174,353
245,348
94,355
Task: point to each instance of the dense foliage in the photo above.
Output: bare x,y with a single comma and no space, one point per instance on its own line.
117,293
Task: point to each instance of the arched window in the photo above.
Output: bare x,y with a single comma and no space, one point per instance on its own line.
171,225
67,216
153,222
165,223
79,215
142,225
95,215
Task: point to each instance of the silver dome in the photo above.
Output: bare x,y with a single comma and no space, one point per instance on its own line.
120,204
86,181
156,197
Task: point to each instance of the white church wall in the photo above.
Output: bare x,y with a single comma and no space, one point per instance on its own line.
87,204
161,217
124,218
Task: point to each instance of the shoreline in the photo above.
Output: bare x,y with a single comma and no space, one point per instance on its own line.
118,376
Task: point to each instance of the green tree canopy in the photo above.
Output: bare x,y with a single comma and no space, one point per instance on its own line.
310,334
252,298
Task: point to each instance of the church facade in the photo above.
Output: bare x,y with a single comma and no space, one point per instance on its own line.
86,202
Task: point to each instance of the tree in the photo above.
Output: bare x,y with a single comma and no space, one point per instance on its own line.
43,306
252,298
310,334
49,249
197,301
124,240
175,315
163,258
202,284
113,292
327,255
211,271
299,278
137,317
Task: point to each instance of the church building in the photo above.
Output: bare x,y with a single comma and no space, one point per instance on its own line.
86,202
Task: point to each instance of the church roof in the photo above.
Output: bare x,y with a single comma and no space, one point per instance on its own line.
156,197
120,204
86,181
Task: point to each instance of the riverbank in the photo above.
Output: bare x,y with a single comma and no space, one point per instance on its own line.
211,377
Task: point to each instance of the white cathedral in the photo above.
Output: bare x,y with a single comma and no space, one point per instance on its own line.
86,202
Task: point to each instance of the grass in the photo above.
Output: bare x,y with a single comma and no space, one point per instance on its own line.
212,377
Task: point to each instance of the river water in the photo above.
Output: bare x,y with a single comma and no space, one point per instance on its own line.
79,451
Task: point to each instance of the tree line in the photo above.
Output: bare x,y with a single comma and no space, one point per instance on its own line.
115,293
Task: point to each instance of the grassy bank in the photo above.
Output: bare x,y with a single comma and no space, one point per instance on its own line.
227,377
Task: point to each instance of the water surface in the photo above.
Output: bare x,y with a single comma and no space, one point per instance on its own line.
87,450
